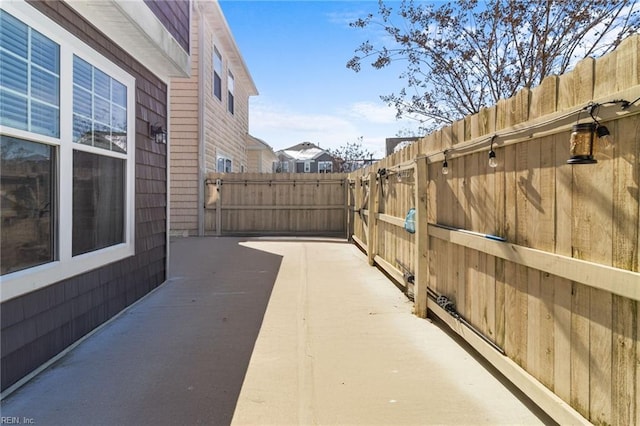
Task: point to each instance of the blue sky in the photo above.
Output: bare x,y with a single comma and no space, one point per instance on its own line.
296,52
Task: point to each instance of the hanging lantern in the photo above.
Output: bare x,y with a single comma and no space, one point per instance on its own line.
581,144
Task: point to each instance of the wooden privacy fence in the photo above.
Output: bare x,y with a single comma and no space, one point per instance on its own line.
276,204
539,257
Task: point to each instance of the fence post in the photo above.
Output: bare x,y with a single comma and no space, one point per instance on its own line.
348,200
372,207
219,208
421,254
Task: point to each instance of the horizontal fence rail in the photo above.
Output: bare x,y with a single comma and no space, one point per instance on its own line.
535,263
276,204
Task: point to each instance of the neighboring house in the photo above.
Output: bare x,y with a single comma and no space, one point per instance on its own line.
395,144
260,156
209,116
83,180
304,157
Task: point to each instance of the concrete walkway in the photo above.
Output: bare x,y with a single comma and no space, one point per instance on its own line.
280,332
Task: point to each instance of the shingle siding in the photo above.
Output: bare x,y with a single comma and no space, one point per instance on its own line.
38,325
174,15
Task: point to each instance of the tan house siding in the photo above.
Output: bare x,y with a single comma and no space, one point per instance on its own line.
196,145
254,161
224,132
260,156
183,141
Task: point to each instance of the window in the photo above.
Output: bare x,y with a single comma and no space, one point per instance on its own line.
98,202
224,164
307,166
230,88
217,74
30,78
285,166
325,166
26,184
67,166
99,108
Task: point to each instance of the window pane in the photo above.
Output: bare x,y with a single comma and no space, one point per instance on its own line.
44,119
44,86
13,35
29,74
82,73
98,202
231,105
100,108
82,132
26,185
217,61
13,110
230,83
101,136
118,119
101,84
45,52
14,73
119,94
217,86
81,102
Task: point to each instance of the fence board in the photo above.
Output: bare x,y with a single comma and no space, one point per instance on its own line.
561,294
286,204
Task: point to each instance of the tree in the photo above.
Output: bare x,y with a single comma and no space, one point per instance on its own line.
351,156
462,56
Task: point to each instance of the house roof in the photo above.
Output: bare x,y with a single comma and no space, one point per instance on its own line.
257,143
304,154
303,151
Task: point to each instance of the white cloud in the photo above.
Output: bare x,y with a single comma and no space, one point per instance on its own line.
282,126
373,112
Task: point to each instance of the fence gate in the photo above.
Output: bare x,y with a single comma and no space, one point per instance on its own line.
276,204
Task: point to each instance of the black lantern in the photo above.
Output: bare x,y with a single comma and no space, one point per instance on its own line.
158,134
581,144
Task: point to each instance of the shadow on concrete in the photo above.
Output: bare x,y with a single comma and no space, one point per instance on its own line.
513,389
177,357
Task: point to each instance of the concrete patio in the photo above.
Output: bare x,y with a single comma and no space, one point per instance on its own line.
270,331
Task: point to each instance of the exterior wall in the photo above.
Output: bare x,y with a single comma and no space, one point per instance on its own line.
184,145
202,128
254,161
38,325
299,165
174,15
224,133
260,161
260,156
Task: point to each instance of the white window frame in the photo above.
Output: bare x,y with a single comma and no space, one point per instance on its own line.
216,55
307,166
231,96
225,158
64,264
322,167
